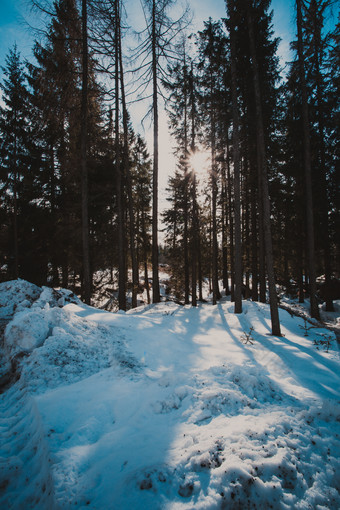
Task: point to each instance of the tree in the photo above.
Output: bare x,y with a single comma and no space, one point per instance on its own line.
14,129
236,157
157,47
262,161
83,151
212,55
314,309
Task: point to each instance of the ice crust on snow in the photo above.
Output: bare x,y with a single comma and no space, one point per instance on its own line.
166,408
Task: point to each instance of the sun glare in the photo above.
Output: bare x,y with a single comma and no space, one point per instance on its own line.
199,162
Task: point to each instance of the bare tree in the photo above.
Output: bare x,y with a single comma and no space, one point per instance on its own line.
156,48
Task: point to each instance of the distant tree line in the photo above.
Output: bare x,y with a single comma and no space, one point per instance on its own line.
79,191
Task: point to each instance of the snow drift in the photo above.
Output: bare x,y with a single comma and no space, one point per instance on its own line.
165,407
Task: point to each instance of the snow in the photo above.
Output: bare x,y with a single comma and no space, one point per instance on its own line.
166,407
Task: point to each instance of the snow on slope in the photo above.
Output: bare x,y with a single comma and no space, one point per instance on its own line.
165,407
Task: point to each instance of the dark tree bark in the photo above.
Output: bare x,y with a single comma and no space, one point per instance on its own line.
83,154
155,275
236,158
231,226
127,173
15,206
119,178
264,182
195,222
320,89
314,309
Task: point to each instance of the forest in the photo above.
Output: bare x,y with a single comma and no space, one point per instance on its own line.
79,186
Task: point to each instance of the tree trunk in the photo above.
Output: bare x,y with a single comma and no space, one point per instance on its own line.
195,223
127,173
254,246
83,155
314,309
155,275
231,227
15,207
236,157
264,182
186,196
120,182
322,176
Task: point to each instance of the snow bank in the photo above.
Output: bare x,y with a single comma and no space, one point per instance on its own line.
16,295
28,330
29,307
165,407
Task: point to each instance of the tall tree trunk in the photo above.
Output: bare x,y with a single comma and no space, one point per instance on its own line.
214,275
314,309
119,179
53,238
195,223
231,226
83,155
186,195
264,182
15,206
236,157
194,241
155,274
145,250
254,246
322,171
127,173
262,268
224,231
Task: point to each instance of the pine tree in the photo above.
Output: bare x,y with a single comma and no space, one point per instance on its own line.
14,129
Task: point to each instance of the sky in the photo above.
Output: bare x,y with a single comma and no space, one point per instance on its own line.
13,29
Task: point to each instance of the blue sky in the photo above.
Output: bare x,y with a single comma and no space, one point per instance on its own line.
14,12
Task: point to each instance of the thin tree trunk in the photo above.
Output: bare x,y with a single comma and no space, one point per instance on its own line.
314,309
120,184
155,275
236,157
83,154
264,182
224,232
231,227
195,223
254,246
15,206
146,274
128,177
186,197
214,265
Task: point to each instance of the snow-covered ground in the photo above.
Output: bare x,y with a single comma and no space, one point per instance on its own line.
165,407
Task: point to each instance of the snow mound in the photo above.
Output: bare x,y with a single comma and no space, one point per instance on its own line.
16,295
75,349
26,331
